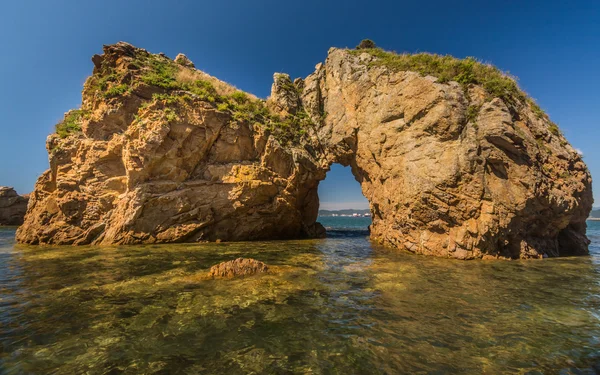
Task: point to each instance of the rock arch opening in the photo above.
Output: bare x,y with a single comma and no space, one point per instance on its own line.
342,205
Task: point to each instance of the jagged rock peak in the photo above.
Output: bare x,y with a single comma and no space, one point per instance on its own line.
455,160
285,95
182,59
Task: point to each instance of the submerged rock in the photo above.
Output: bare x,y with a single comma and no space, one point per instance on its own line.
238,267
12,206
161,152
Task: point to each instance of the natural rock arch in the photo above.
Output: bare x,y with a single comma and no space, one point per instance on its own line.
167,153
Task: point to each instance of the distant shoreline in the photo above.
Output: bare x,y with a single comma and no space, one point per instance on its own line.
593,218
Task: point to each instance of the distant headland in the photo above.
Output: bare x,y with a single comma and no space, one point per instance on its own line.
346,212
595,214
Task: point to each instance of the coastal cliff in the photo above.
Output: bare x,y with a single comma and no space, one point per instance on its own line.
454,159
12,206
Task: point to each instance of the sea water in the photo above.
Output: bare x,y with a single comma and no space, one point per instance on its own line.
336,305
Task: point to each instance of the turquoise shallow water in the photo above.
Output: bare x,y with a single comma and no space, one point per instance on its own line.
335,305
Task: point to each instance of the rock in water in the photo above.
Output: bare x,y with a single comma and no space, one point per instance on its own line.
454,159
238,267
12,206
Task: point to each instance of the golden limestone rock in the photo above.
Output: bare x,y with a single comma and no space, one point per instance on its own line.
454,159
237,267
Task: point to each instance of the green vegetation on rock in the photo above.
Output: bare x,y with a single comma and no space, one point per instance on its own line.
168,99
71,123
204,89
102,83
472,113
283,81
170,115
116,90
181,84
496,83
554,129
366,44
161,73
448,68
535,108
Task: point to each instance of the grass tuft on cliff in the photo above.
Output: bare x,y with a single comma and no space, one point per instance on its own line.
466,71
447,68
164,73
116,90
71,124
161,73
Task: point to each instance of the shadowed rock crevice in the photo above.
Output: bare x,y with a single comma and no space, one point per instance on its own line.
452,165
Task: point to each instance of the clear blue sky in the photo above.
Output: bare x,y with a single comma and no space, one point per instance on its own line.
552,46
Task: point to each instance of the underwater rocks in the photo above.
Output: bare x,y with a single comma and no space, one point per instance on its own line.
12,206
454,159
237,267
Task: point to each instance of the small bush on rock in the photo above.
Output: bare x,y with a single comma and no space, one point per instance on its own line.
366,44
116,91
71,123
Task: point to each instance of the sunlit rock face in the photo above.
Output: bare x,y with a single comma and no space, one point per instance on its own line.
443,179
161,152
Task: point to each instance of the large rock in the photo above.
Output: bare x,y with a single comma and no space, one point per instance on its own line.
237,267
12,206
449,173
453,170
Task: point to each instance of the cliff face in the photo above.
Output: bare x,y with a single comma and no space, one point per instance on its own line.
451,169
165,154
12,206
454,160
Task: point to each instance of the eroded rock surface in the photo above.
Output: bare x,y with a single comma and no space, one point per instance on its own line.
182,59
237,267
12,206
167,153
443,181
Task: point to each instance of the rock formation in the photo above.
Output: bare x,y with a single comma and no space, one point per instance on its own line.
182,59
237,267
12,206
454,159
